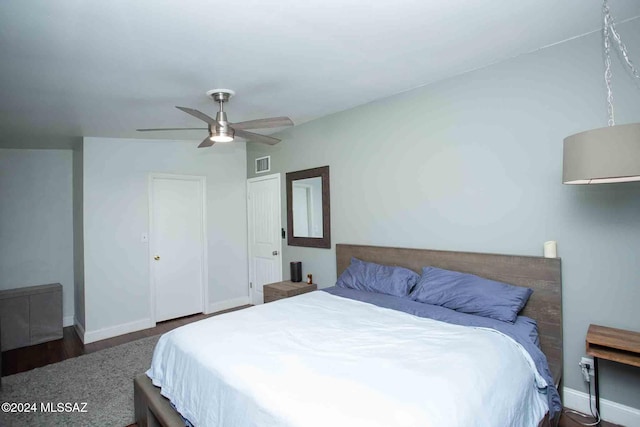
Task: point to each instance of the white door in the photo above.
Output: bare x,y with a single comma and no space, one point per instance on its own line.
177,244
265,241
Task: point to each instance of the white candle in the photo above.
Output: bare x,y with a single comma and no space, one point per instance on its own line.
550,249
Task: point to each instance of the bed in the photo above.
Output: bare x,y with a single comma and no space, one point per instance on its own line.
317,378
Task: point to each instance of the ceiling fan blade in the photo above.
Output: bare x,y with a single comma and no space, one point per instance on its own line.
271,122
163,129
207,142
198,114
254,137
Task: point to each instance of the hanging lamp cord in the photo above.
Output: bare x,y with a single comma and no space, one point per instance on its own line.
609,31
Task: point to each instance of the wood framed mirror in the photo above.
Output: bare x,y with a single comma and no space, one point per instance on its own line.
308,208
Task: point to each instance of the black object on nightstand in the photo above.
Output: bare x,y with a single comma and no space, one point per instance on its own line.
296,271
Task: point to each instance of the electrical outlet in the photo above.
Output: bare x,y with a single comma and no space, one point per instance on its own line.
586,365
587,361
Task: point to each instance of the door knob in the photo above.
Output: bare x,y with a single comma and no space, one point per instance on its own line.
274,253
157,257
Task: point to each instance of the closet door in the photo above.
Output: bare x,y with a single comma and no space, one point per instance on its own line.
177,245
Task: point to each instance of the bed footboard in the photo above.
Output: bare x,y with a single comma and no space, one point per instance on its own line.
154,410
151,408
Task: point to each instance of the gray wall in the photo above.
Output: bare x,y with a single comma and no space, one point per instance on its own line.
116,214
474,163
36,245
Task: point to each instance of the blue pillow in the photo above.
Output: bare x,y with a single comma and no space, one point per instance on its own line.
383,279
470,294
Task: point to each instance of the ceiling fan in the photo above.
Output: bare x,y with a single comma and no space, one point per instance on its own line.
221,130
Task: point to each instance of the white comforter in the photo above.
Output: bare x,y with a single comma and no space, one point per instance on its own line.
322,360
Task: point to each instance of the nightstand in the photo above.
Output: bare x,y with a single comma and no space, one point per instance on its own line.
612,344
286,289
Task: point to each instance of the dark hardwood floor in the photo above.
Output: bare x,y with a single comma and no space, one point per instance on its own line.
569,420
26,358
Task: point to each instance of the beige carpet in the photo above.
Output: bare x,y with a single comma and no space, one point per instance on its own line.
103,380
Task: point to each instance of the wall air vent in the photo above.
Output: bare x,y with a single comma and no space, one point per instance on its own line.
263,164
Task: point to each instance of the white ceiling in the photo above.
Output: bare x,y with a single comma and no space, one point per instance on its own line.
104,68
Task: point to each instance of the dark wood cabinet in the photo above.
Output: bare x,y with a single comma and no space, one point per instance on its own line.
30,315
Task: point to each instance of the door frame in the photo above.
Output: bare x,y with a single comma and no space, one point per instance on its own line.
275,176
202,180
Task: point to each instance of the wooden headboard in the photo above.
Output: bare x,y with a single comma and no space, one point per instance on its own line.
543,275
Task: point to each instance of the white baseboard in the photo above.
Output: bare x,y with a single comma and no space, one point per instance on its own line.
79,330
214,307
125,328
113,331
610,411
68,321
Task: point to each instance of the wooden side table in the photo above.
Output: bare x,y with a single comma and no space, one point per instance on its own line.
612,344
286,289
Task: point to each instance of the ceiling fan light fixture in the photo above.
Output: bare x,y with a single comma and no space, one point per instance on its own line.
221,138
222,134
